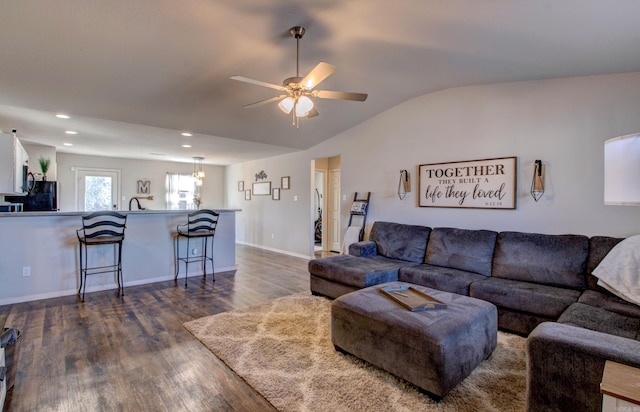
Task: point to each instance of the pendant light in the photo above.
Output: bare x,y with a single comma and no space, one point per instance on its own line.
198,173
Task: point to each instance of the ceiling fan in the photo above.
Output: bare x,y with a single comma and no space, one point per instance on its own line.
299,92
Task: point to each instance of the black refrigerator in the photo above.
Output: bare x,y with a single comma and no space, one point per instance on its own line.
43,196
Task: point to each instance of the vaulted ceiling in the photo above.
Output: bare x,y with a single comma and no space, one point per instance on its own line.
134,75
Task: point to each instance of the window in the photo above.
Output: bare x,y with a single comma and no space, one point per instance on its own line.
181,191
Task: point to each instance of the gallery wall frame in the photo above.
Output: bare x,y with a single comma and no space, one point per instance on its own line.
247,195
240,185
285,182
474,184
275,193
261,188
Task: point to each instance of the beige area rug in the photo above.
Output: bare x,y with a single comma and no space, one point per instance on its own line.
283,349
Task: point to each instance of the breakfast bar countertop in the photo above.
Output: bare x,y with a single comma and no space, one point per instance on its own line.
39,251
124,212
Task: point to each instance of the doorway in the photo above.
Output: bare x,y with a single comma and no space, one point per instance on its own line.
326,205
97,189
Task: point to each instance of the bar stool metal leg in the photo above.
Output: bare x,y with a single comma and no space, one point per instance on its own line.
120,278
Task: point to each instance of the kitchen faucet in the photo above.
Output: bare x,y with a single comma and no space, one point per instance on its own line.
136,198
137,201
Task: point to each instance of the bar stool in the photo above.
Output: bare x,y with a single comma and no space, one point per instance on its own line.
201,225
101,228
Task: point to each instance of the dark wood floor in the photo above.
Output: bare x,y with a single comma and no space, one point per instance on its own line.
132,353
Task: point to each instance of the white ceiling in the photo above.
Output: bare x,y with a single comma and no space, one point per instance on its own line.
134,74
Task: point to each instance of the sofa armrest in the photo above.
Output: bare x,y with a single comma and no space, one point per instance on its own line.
365,248
565,365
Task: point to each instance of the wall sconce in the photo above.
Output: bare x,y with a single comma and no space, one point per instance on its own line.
404,185
621,170
537,184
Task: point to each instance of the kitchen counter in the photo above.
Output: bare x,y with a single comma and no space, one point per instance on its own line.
124,212
39,252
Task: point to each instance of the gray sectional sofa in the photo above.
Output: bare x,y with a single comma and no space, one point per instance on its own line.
541,284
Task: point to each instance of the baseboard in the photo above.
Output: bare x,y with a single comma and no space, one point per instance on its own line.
69,292
270,249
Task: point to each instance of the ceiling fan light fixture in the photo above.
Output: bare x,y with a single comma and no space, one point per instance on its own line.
303,106
286,104
296,92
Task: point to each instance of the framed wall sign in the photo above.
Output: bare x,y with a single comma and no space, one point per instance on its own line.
247,195
285,182
144,187
275,193
477,184
240,185
261,188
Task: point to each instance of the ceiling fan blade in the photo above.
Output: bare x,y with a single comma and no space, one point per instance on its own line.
265,101
327,94
312,113
317,74
257,82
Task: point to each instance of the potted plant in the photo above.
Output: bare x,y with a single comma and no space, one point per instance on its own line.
44,166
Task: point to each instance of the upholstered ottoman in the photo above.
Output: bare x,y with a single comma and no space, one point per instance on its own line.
434,349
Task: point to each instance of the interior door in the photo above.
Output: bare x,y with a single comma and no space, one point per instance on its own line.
97,189
333,217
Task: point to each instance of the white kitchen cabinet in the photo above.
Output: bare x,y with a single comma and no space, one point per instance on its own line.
14,162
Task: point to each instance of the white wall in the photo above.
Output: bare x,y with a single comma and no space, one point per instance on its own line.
563,122
48,152
131,171
273,224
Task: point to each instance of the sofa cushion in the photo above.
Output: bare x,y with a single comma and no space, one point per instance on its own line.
441,278
469,250
601,320
357,271
400,241
365,248
607,301
527,297
557,260
599,246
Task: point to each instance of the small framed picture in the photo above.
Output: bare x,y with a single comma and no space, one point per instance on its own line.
285,183
247,195
275,193
240,185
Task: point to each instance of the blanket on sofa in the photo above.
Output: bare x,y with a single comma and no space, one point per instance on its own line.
619,271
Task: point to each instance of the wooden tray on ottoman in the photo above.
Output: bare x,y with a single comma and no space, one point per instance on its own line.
411,298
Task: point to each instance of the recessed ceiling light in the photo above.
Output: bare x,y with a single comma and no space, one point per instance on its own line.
186,134
62,116
71,132
186,146
67,144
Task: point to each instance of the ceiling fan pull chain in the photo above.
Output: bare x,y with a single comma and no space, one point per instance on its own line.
295,120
